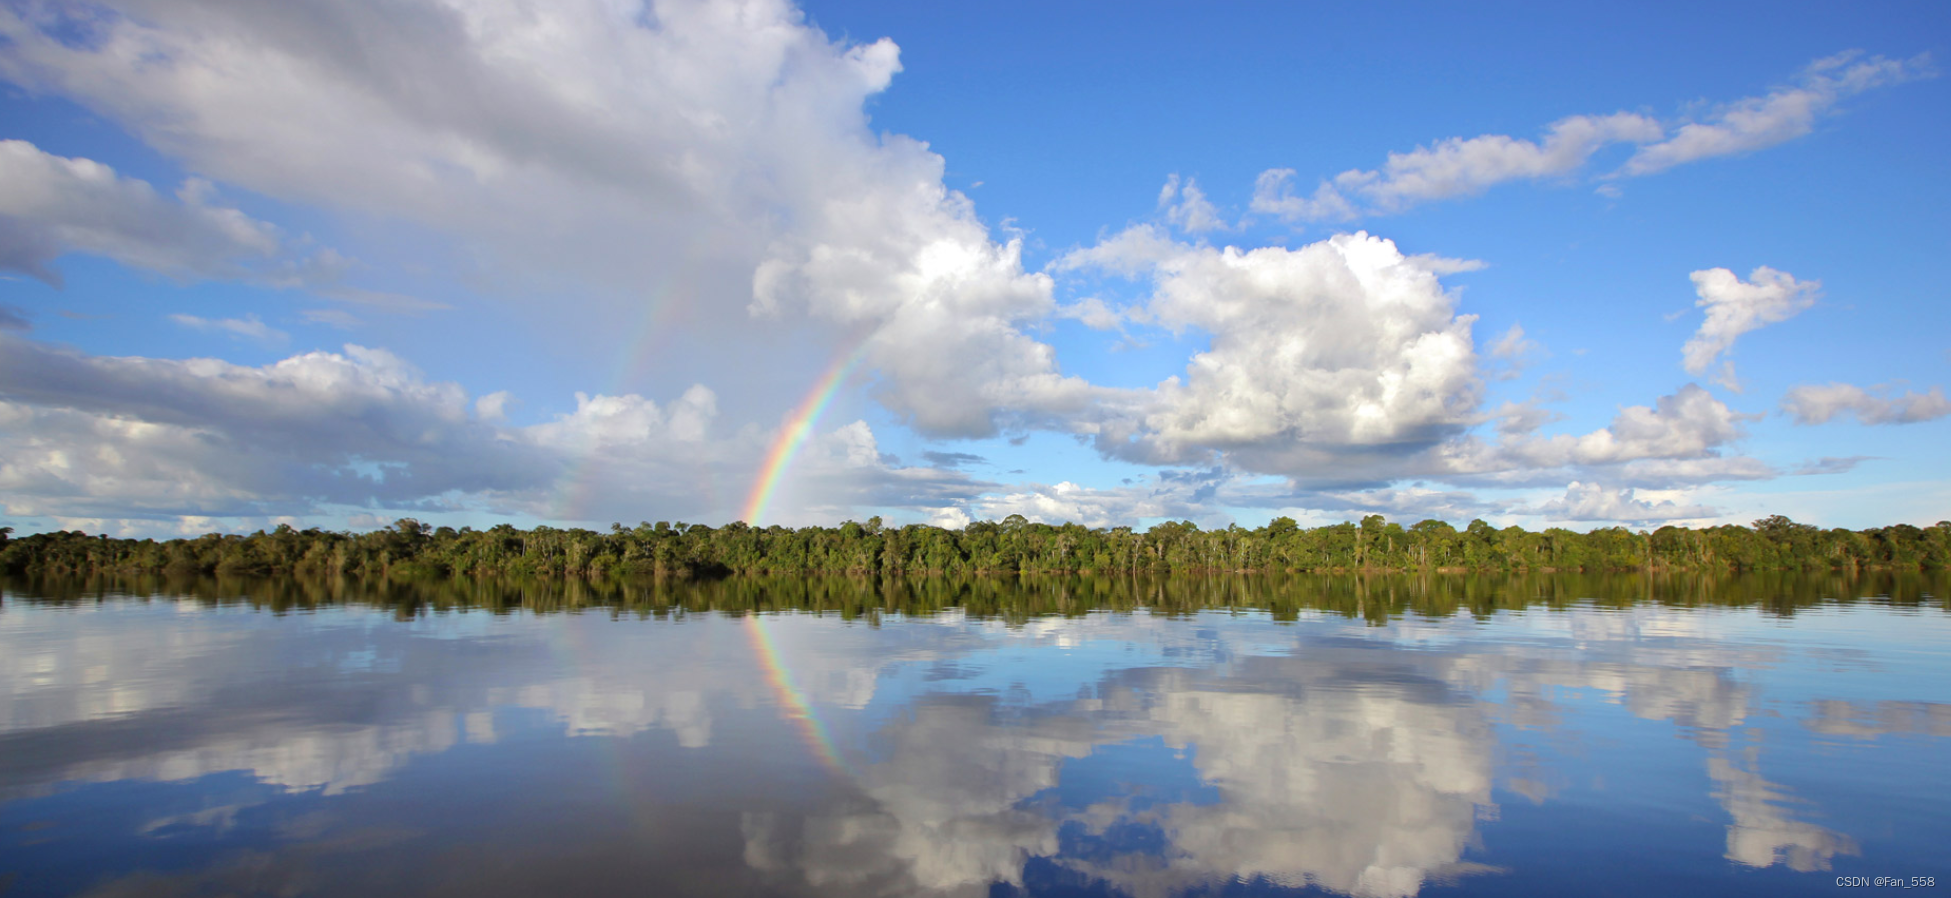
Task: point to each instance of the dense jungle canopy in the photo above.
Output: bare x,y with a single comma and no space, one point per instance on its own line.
1011,545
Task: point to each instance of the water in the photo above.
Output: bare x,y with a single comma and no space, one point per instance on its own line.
1238,736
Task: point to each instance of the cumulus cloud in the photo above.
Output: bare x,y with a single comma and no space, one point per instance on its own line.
51,205
1819,404
609,146
1205,497
1735,307
1406,503
114,437
1458,166
1689,424
203,436
1345,365
1172,494
1345,345
1783,114
1594,502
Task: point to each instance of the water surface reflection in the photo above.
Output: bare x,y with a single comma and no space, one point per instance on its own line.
1243,736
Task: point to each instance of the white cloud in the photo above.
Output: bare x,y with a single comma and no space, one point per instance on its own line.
1134,251
51,205
100,435
949,517
1784,114
1593,502
494,406
612,421
1093,313
1273,194
1341,345
1187,208
1403,504
1689,424
602,145
1813,404
249,327
1512,344
92,436
1173,495
1514,350
1660,473
1735,307
1458,166
1344,364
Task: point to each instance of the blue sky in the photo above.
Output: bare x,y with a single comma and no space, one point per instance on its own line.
334,264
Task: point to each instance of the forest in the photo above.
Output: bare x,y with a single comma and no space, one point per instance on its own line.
1013,545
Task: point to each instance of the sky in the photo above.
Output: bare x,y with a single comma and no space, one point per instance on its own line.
332,263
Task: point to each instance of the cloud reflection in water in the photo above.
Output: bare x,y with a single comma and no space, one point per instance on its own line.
1145,754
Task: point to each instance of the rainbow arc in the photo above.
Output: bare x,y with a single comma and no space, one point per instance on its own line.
799,427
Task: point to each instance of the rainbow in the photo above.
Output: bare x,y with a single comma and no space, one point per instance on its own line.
791,699
798,427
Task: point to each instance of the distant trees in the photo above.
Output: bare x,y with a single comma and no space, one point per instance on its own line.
1012,545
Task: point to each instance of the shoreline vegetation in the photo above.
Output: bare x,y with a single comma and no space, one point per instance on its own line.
1011,546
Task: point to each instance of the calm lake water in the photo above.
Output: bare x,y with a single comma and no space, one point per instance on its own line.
1384,736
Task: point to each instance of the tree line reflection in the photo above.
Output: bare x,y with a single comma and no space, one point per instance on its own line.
1375,597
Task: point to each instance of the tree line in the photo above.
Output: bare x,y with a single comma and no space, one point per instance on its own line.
1014,544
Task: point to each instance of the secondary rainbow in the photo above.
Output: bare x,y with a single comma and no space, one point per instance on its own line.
661,316
811,729
794,434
